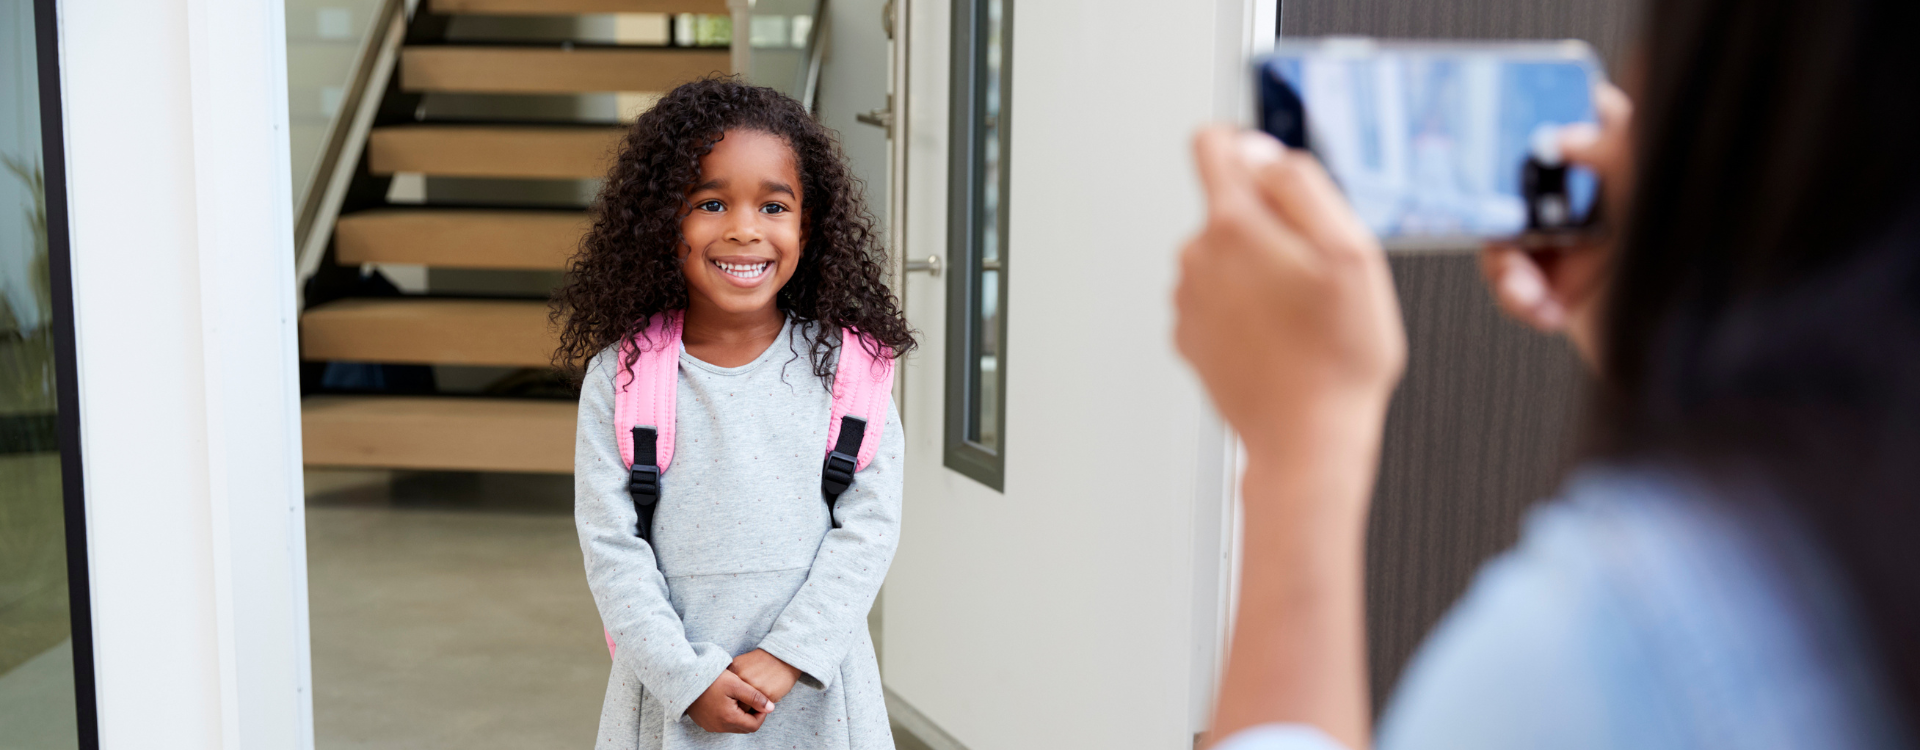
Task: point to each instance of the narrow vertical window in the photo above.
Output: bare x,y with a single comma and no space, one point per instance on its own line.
46,651
977,298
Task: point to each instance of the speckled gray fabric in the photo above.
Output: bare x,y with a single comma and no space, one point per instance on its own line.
747,557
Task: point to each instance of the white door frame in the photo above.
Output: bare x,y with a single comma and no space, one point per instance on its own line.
180,213
1188,582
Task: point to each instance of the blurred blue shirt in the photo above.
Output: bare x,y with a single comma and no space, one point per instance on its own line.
1638,612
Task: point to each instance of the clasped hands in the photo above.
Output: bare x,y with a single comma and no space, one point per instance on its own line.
739,700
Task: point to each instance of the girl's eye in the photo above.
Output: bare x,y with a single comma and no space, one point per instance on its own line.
711,206
773,208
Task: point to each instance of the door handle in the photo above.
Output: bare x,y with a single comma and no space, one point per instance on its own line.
879,118
931,265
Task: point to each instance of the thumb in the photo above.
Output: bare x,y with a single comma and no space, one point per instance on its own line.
1225,158
739,690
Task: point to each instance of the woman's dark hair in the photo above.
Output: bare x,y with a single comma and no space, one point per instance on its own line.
1763,314
627,270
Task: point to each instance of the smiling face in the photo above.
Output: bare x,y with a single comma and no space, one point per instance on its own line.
744,227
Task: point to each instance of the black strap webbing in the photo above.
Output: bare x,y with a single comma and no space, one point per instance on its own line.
853,430
842,461
643,480
646,446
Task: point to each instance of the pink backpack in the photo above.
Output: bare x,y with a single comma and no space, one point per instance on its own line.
643,413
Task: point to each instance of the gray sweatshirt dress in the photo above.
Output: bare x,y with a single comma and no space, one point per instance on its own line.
745,557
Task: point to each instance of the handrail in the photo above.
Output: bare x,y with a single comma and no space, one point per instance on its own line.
347,137
816,54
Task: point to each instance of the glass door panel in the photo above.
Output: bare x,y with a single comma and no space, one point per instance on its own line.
37,667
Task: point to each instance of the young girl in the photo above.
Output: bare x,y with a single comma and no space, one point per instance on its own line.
743,610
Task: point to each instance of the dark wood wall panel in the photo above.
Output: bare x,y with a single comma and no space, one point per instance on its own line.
1606,24
1485,422
1482,426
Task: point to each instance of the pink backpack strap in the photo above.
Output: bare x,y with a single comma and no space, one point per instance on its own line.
645,397
862,387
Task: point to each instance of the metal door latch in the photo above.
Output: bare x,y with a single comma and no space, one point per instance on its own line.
931,265
881,118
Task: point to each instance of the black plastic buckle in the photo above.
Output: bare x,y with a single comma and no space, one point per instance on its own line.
643,483
837,475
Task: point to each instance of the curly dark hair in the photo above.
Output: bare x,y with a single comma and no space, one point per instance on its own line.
627,269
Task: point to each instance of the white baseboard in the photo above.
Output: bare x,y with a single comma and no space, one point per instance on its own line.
923,728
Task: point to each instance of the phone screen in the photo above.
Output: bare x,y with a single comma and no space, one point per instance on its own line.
1429,140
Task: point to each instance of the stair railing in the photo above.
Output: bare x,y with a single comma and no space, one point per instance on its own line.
347,137
816,53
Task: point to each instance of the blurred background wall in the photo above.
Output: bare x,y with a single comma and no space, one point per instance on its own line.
1484,423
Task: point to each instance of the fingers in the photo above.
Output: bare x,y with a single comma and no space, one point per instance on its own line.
1521,288
1612,105
1237,214
748,695
1580,143
1214,157
1600,145
1298,188
1223,155
735,719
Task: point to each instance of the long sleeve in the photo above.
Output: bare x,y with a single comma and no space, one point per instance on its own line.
627,584
1280,737
829,614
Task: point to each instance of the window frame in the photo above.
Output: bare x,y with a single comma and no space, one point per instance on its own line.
53,158
983,463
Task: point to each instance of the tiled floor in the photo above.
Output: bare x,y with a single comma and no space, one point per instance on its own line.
449,610
36,702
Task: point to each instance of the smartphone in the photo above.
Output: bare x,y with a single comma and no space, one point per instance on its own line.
1439,145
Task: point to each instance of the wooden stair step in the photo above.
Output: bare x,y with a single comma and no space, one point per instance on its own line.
552,70
439,433
571,7
506,151
460,238
505,333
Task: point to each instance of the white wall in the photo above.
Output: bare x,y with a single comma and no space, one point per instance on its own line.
1082,606
176,125
853,79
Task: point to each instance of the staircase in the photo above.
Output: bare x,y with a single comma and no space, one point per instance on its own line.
467,431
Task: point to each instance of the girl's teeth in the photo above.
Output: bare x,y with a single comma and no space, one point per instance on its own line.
744,270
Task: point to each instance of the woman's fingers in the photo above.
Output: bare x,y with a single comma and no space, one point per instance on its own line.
1579,143
1230,161
1296,187
1613,106
1271,319
1521,287
1223,171
1606,147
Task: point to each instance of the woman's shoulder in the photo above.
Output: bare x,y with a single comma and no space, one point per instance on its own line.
1646,607
1673,547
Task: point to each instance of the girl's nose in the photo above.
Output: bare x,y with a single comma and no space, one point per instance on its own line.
743,229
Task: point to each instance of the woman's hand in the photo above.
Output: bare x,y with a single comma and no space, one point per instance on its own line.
723,707
1287,310
1286,304
1557,290
766,672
